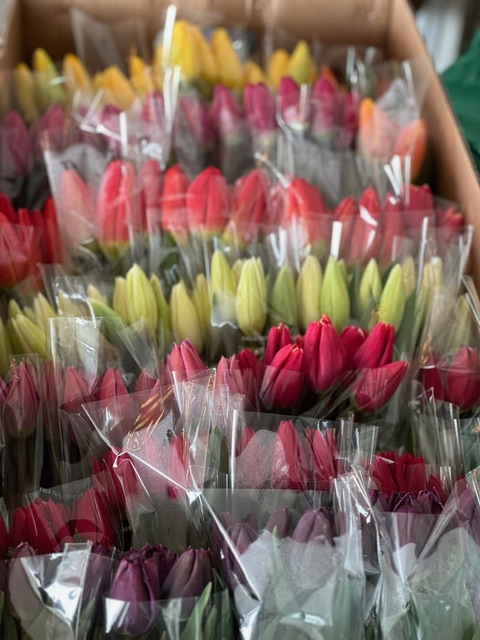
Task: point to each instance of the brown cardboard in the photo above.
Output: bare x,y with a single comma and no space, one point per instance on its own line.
388,24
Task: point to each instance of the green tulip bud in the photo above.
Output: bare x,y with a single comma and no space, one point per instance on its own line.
120,302
94,294
251,306
223,289
283,302
163,310
201,302
30,337
185,322
370,288
6,350
334,298
141,302
409,276
393,299
309,287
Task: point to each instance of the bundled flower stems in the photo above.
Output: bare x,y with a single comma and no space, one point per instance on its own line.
239,348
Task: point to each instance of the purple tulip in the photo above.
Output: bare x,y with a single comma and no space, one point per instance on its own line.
281,522
313,523
260,109
189,576
15,149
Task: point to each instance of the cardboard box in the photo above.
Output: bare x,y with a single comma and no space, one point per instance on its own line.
388,24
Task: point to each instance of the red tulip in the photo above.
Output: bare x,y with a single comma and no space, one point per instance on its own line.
151,183
293,112
174,203
91,520
249,207
76,209
418,204
278,337
325,357
462,385
283,379
321,454
184,361
52,247
304,205
49,131
403,474
117,211
377,350
366,240
430,376
347,213
374,387
43,524
120,469
393,230
449,224
349,128
208,202
76,391
145,381
260,109
230,375
352,339
290,469
16,252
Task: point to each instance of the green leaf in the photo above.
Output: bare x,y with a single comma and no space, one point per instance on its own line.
209,630
193,627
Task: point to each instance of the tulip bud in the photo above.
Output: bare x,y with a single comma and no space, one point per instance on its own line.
120,299
20,411
290,468
393,300
280,522
48,89
376,132
411,143
76,76
201,302
185,322
324,355
249,208
260,109
118,88
141,76
308,289
31,338
24,85
229,66
352,339
43,311
282,383
409,276
223,289
463,379
251,305
95,294
283,301
393,230
313,524
374,387
277,66
370,288
141,301
185,361
278,337
174,206
208,65
429,376
377,350
334,298
189,576
208,202
16,151
298,66
304,205
254,74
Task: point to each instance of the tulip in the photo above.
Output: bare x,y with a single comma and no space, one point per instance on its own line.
120,299
208,64
28,336
76,76
230,375
304,205
141,302
6,350
185,323
349,127
352,339
322,456
334,298
16,250
249,208
283,301
292,111
366,233
377,350
76,391
280,522
418,204
462,385
393,300
242,535
290,468
370,288
299,64
184,361
308,290
276,67
24,87
132,584
51,238
20,411
228,64
278,337
393,230
183,50
377,133
163,310
409,276
254,74
208,202
325,107
117,210
260,109
48,89
411,143
174,207
248,362
223,289
346,213
201,303
324,355
151,184
117,87
430,376
92,521
399,474
279,388
374,387
192,125
43,524
251,304
189,576
313,524
48,131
